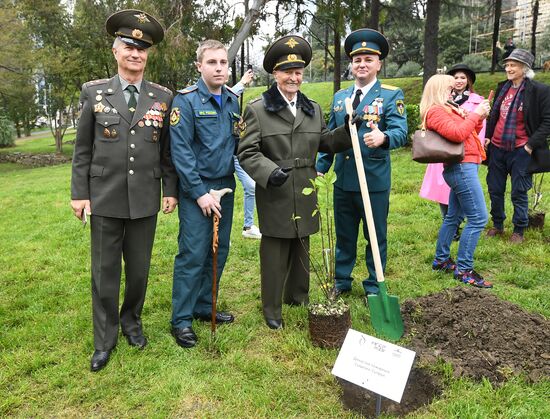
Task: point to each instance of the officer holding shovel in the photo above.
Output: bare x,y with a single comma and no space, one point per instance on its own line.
384,128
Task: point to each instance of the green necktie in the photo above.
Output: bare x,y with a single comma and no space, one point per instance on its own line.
132,102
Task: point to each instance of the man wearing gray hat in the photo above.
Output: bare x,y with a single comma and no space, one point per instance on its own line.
517,132
121,157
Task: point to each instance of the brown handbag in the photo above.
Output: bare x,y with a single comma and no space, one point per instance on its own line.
430,147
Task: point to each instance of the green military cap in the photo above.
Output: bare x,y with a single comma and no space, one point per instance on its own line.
291,51
366,41
135,28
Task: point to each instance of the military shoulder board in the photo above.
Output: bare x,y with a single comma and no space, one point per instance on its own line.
388,87
188,89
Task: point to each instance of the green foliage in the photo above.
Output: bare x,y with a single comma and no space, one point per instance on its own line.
413,119
452,39
410,68
390,69
477,62
324,271
7,132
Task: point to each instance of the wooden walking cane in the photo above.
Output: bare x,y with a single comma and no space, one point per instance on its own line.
217,194
384,309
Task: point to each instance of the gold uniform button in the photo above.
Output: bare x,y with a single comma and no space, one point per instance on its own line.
133,132
131,172
132,146
132,159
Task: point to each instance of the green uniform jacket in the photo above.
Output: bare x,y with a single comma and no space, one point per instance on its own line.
120,159
385,104
273,138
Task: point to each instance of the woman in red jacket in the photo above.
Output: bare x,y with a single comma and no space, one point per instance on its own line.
466,198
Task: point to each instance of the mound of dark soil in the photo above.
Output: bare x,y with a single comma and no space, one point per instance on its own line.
473,330
479,334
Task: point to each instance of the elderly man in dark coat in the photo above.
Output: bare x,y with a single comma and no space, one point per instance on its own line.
281,134
517,138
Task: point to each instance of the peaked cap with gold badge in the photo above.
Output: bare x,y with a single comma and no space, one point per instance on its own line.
366,41
291,51
135,28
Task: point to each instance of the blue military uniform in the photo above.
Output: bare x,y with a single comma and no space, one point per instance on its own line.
384,106
203,138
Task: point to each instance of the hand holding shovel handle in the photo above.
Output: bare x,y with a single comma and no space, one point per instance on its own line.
217,195
385,312
364,193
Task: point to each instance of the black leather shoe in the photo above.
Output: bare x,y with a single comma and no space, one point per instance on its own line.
274,324
185,337
138,341
99,360
221,317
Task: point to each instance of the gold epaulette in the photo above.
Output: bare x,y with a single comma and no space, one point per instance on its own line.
388,87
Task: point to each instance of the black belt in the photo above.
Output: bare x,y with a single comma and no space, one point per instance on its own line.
296,163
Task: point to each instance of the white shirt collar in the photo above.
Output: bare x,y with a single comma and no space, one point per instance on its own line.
291,103
365,89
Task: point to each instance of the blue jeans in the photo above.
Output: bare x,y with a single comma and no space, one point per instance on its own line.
465,200
249,187
501,164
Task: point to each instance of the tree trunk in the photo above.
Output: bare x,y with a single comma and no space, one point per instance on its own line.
337,60
431,46
244,30
534,29
496,30
367,14
325,62
374,14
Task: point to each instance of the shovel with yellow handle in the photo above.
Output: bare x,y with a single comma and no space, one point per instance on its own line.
385,313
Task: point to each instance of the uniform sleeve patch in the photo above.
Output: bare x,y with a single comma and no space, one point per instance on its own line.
400,106
175,116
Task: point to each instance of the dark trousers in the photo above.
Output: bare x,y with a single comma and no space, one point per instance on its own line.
284,268
192,286
501,164
112,239
348,213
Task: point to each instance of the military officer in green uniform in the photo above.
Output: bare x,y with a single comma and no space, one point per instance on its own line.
121,157
282,132
384,128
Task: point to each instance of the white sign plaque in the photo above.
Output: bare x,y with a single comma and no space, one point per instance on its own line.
374,364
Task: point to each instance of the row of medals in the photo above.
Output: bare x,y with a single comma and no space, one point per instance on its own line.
154,116
371,112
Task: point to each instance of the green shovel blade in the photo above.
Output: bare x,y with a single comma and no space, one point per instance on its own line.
385,314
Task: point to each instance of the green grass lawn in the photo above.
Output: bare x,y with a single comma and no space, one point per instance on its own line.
41,143
412,88
248,370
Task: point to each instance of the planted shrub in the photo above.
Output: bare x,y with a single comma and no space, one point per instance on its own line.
7,132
